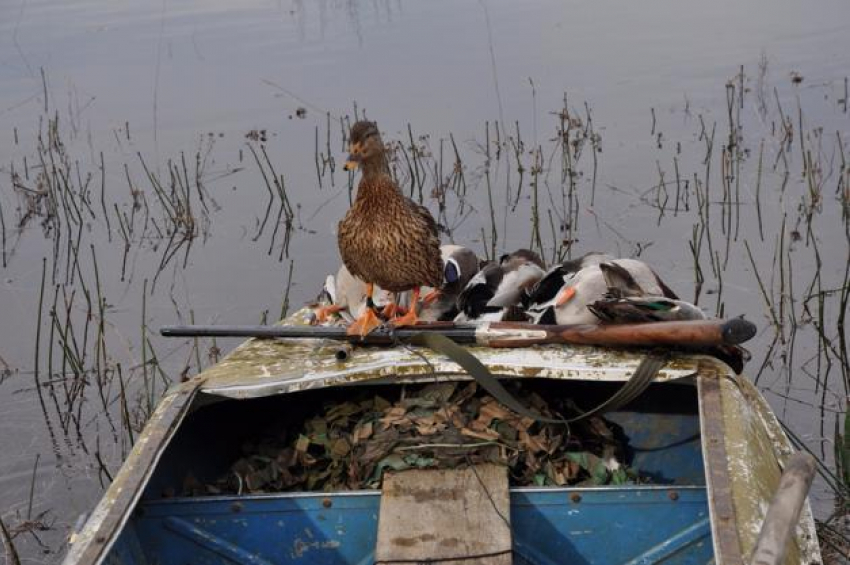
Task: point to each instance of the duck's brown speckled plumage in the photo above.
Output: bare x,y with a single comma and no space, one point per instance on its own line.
386,238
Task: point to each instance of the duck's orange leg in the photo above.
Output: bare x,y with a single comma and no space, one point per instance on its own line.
392,310
409,319
368,320
431,297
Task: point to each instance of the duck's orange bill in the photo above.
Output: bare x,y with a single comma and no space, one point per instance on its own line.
565,296
351,163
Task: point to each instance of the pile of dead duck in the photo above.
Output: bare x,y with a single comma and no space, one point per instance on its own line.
593,289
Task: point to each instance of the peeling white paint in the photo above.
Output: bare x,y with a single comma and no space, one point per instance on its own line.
268,367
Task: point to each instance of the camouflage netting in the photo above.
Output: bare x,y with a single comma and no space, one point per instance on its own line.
347,445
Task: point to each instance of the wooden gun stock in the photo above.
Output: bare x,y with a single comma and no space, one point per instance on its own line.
688,334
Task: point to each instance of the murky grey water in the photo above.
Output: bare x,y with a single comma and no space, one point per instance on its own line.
150,82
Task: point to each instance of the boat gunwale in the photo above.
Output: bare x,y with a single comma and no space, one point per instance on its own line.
373,492
724,535
104,525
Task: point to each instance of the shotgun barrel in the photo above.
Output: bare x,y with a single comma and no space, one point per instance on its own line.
686,334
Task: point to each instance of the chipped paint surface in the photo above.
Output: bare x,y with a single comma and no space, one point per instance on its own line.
92,543
757,449
267,367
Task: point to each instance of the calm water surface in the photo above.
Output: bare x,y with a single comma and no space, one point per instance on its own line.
152,82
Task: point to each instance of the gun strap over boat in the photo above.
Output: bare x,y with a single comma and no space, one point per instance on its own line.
631,389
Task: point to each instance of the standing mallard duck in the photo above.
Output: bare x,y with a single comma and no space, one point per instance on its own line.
386,238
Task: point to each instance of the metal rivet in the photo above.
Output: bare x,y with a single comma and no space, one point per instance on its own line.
343,352
575,497
673,495
327,502
236,507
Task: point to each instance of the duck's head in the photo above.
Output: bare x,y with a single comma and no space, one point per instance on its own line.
515,260
460,264
364,146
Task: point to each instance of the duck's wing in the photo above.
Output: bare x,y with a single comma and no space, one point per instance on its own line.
472,300
621,283
425,244
515,284
665,290
425,215
547,288
586,260
545,291
626,311
644,309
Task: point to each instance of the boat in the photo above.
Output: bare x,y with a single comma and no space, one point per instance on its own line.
712,446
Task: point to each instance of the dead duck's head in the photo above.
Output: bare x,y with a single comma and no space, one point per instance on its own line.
366,150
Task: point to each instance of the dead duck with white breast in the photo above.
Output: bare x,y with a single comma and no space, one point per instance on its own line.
597,288
498,290
344,295
460,264
550,292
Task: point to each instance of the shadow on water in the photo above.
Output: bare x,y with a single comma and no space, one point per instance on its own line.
737,189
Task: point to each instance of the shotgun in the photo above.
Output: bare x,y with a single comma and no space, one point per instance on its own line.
691,334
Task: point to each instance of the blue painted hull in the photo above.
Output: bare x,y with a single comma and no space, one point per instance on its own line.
667,522
588,526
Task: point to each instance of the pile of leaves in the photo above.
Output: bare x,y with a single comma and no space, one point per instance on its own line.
349,444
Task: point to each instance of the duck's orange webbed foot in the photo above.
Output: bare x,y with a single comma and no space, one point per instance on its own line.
324,312
409,319
365,324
